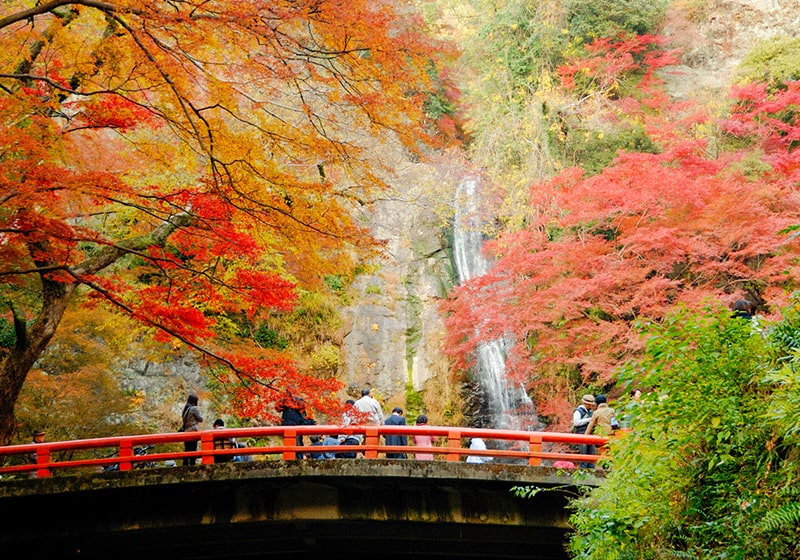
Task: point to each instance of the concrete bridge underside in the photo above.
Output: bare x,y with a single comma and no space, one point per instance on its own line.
378,508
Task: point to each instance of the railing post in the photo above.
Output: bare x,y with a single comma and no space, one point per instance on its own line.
454,442
371,442
206,445
535,446
602,450
43,458
125,454
289,439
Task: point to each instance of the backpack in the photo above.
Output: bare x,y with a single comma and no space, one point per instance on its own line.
584,413
183,423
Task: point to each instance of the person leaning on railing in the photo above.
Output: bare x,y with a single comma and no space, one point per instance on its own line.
478,444
38,437
604,421
350,417
223,443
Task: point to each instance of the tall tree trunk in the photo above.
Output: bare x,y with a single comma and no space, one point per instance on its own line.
31,342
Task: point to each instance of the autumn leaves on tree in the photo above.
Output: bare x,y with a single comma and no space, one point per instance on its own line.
701,219
188,161
194,164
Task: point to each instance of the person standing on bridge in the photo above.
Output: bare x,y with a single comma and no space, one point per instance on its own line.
370,407
191,423
293,413
396,419
421,440
603,422
38,437
580,420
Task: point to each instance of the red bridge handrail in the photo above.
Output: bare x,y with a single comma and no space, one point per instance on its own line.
523,446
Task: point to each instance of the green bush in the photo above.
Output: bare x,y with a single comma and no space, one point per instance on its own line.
609,18
710,469
594,150
270,338
774,61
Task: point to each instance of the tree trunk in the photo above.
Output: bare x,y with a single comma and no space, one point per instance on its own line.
32,341
30,344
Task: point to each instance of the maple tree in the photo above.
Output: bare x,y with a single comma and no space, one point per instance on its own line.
76,372
189,161
652,231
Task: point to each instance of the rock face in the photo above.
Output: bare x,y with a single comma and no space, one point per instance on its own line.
716,35
393,328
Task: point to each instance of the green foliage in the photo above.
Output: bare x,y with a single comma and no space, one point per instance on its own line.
325,359
437,105
268,337
594,150
784,517
521,38
774,61
705,472
313,321
609,18
415,405
374,289
335,283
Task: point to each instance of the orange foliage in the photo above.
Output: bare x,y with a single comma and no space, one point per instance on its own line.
182,160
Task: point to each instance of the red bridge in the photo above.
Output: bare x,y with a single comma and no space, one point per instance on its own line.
531,448
279,506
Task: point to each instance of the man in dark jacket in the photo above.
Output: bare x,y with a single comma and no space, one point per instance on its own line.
293,413
396,419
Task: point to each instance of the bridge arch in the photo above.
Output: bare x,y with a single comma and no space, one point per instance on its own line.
293,509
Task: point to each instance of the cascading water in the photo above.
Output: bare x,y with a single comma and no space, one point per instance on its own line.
508,407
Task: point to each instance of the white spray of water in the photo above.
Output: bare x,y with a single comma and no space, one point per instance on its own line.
502,400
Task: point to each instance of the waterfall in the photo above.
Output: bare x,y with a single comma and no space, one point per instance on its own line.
504,404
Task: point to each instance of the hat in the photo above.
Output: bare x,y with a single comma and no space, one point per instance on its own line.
39,433
587,399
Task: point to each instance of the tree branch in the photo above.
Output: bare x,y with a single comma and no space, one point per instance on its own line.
46,7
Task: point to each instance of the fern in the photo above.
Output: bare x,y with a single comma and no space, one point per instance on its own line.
785,517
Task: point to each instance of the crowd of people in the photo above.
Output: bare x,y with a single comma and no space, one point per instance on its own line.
365,410
593,416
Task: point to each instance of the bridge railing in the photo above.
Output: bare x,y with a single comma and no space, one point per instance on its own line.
270,442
